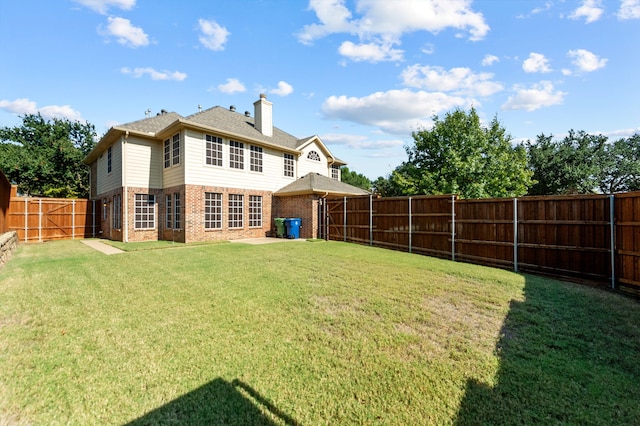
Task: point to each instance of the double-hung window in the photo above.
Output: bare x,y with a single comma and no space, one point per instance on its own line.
288,165
212,210
117,211
145,211
236,211
169,211
172,151
335,172
236,155
176,211
213,154
255,159
255,211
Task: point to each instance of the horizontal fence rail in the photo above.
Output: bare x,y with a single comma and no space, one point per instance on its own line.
47,219
585,237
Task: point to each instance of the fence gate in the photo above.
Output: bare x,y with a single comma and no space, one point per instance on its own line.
335,218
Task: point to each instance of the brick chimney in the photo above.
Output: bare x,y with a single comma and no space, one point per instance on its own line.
263,115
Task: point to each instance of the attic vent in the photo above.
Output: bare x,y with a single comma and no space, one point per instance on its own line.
247,114
232,108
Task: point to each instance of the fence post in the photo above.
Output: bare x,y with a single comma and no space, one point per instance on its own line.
73,219
26,218
370,219
326,219
613,245
453,227
40,220
410,225
344,220
515,235
93,219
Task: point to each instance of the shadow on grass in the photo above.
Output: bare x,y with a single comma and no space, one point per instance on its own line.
567,356
217,402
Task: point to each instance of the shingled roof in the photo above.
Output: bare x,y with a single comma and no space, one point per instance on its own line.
314,183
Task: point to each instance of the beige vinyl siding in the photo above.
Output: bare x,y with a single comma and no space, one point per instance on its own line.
144,163
197,172
306,165
109,181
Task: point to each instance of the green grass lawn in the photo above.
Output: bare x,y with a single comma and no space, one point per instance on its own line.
325,333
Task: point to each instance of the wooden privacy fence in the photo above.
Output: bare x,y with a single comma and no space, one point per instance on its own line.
47,219
588,237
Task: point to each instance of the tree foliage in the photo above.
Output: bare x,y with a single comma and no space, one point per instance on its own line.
460,156
44,157
582,163
354,178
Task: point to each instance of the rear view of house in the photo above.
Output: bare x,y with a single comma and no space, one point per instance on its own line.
216,174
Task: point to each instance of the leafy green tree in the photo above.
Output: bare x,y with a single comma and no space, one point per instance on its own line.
354,178
44,157
571,166
619,167
460,156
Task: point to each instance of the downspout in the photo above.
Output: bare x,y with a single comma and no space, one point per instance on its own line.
125,195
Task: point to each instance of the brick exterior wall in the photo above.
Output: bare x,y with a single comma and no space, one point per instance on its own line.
192,215
303,206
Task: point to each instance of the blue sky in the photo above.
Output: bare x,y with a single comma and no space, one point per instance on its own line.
361,74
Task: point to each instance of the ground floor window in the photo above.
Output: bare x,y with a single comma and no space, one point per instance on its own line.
236,211
117,211
255,211
212,210
169,211
176,209
145,211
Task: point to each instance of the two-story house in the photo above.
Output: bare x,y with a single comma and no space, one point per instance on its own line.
216,174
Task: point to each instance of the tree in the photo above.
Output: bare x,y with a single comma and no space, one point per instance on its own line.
354,178
45,156
570,166
619,167
460,156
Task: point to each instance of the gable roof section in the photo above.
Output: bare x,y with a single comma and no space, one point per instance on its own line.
219,120
314,183
302,143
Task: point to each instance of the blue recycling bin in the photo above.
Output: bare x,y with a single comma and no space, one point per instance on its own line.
293,227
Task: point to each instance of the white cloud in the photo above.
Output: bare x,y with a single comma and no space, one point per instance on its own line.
102,6
213,36
536,96
586,61
125,33
233,85
283,89
489,60
24,106
370,52
359,141
155,75
381,24
591,10
536,62
629,9
460,81
394,111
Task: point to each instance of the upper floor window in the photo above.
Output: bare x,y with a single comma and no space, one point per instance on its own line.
109,160
335,172
176,149
213,154
255,159
172,151
288,165
313,155
236,155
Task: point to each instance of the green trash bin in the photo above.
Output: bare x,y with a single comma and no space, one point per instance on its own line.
280,231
